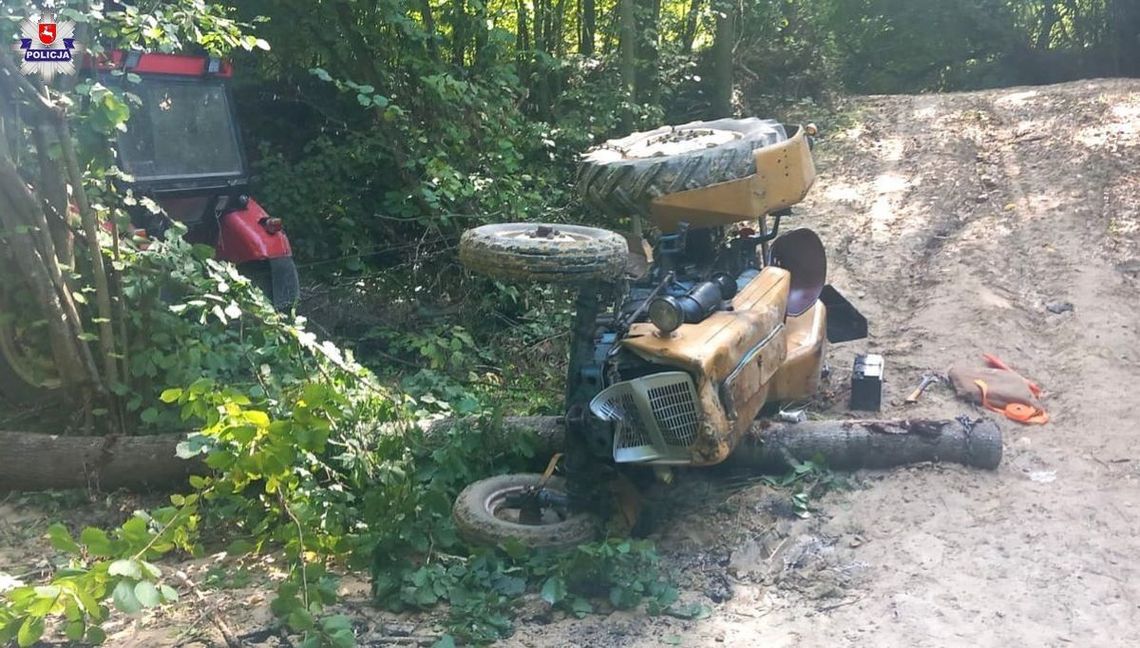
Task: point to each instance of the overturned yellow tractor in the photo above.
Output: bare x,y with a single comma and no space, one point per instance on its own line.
677,346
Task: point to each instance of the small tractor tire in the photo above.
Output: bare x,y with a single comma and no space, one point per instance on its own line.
622,176
547,253
476,507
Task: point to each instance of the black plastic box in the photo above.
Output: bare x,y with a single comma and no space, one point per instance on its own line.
867,383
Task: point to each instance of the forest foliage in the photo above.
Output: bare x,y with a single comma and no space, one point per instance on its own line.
383,129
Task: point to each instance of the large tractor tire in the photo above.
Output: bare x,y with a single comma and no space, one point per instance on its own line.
28,374
564,254
622,176
277,278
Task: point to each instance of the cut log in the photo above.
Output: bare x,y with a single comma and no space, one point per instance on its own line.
31,462
843,445
548,430
854,445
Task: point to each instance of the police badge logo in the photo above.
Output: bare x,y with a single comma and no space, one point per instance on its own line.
48,47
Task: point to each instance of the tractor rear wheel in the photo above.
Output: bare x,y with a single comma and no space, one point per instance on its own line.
28,373
622,176
277,278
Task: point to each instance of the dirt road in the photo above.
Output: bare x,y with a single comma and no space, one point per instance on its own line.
954,220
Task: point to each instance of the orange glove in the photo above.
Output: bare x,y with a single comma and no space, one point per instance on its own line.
999,388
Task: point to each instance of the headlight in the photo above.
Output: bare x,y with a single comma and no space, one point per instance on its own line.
666,314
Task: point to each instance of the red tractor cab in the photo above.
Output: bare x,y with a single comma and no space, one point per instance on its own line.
183,148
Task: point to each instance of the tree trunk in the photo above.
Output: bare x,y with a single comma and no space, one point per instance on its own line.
628,65
721,95
429,26
648,16
53,193
107,343
32,462
855,445
557,25
689,31
1126,23
843,444
522,34
1049,19
588,22
480,38
458,32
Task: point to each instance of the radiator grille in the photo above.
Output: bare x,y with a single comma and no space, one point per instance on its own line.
676,413
655,417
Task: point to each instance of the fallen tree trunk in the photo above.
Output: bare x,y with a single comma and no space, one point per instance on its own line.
854,445
843,445
30,462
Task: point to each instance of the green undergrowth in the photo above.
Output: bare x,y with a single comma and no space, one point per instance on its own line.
314,459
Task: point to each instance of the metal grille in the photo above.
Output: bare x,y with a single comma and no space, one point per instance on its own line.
655,416
676,413
630,431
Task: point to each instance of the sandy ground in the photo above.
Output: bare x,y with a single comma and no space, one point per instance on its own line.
953,221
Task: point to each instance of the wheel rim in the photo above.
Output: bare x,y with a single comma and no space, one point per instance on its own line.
680,141
498,507
544,233
25,347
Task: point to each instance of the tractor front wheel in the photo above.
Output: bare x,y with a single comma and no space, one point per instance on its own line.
548,253
488,513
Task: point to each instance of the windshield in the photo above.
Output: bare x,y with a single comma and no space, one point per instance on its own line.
184,129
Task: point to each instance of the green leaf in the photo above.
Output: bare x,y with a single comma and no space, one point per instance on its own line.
96,541
30,632
169,594
75,630
194,445
134,530
124,598
261,44
581,607
47,591
300,620
147,594
170,395
152,571
61,538
96,635
126,568
554,590
336,623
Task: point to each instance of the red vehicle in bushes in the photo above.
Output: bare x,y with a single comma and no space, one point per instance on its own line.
183,149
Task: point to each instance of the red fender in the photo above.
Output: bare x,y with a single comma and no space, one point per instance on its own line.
244,237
